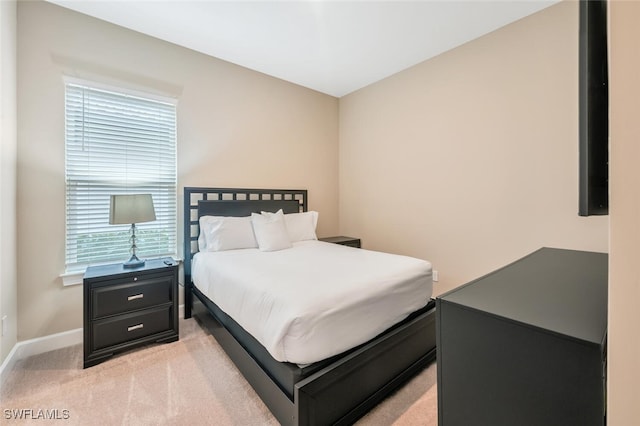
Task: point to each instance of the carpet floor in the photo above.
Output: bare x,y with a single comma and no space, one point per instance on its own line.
188,382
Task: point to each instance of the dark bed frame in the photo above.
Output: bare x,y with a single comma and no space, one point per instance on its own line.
335,391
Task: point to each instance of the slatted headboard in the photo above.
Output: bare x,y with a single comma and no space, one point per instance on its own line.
229,202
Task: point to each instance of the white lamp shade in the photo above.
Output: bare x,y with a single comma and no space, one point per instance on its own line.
134,208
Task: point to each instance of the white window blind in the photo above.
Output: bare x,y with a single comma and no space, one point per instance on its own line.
117,143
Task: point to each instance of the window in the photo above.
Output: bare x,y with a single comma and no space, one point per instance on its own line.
117,143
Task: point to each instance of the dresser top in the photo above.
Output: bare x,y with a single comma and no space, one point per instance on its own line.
564,291
114,269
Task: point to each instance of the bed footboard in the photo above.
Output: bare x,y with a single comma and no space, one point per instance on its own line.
346,389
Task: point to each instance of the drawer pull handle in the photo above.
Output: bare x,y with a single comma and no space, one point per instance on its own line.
135,296
135,327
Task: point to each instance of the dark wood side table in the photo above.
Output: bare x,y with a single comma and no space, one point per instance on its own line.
125,308
345,241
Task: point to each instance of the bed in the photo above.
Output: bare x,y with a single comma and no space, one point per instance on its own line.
345,382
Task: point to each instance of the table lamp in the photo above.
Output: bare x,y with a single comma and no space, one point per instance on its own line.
132,208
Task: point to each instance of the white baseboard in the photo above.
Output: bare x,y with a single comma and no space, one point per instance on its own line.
44,344
7,365
37,346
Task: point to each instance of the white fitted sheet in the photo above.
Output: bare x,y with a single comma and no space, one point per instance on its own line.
313,300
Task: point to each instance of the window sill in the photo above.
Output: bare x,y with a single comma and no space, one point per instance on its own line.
72,278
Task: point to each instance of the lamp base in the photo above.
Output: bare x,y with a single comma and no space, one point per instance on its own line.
133,262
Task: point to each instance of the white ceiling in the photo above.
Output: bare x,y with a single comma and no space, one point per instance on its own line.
334,47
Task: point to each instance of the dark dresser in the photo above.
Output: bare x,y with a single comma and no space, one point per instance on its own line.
526,344
125,308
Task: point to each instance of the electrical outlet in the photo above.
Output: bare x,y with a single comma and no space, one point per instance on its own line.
435,276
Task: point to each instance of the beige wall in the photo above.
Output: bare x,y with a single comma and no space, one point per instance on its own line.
470,159
624,280
8,111
236,128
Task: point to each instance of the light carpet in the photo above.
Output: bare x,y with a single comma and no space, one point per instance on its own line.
188,382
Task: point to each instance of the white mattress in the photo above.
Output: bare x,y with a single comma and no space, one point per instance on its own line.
316,299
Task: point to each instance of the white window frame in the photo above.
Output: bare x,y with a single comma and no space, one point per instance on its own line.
115,145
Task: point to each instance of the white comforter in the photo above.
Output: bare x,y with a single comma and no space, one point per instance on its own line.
314,300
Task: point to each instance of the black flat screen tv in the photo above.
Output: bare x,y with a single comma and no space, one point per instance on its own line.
594,109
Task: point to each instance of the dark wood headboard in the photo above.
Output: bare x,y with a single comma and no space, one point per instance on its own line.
229,202
245,207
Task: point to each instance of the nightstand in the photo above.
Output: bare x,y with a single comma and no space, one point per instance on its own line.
345,241
125,308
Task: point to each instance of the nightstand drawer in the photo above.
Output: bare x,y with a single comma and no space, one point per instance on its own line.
131,295
124,328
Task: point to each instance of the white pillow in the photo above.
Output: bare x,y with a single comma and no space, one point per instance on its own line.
218,233
301,226
270,231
